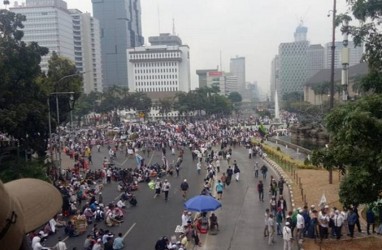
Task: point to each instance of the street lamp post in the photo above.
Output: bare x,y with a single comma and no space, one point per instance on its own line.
333,48
58,115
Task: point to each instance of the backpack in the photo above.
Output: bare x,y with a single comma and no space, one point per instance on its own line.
99,215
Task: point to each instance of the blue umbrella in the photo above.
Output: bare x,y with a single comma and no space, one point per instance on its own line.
202,203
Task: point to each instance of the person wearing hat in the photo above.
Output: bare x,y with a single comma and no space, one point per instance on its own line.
158,187
25,205
287,236
184,188
166,189
300,224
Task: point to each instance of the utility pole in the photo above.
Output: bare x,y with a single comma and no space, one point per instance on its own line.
333,48
332,73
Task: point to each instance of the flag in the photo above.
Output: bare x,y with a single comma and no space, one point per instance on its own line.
322,201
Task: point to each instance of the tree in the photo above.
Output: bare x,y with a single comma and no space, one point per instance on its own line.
356,140
235,97
23,102
165,106
369,14
141,102
62,77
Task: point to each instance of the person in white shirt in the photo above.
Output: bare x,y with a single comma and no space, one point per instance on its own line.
271,230
323,222
300,224
287,236
338,220
186,216
60,245
166,189
121,204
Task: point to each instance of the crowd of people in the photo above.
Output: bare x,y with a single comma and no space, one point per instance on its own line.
211,143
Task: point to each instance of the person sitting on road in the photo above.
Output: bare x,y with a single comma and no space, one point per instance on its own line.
214,222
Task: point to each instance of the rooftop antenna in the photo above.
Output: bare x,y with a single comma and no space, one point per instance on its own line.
173,26
221,67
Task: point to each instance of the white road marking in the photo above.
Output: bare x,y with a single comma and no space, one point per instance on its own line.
128,231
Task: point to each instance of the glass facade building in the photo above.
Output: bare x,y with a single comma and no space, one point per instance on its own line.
120,28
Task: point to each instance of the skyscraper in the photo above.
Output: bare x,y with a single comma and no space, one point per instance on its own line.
120,22
87,50
48,23
293,59
315,55
237,68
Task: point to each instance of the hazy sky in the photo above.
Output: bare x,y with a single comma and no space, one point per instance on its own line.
249,28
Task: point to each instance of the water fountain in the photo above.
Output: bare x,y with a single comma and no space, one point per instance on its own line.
277,111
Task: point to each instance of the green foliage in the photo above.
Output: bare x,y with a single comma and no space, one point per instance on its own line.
10,25
367,32
356,140
235,97
203,99
32,169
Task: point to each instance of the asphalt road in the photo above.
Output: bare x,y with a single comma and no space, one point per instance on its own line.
151,218
241,219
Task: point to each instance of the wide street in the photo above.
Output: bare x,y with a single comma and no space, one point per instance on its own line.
241,218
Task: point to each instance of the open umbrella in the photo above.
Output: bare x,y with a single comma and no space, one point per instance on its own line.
202,203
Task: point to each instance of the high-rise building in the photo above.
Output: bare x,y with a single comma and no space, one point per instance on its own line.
87,50
293,62
160,68
230,84
315,55
120,22
293,67
237,68
48,23
355,54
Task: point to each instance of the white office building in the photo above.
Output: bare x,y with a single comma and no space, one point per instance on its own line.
48,23
162,67
87,50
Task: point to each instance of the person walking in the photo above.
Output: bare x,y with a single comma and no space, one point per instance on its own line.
352,221
370,219
198,167
338,220
287,236
260,190
158,187
264,171
271,229
355,209
219,189
229,175
236,171
217,164
166,189
256,169
266,217
184,187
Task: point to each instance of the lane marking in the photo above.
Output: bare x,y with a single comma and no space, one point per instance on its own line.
128,231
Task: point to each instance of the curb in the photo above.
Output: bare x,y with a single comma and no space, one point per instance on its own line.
288,180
